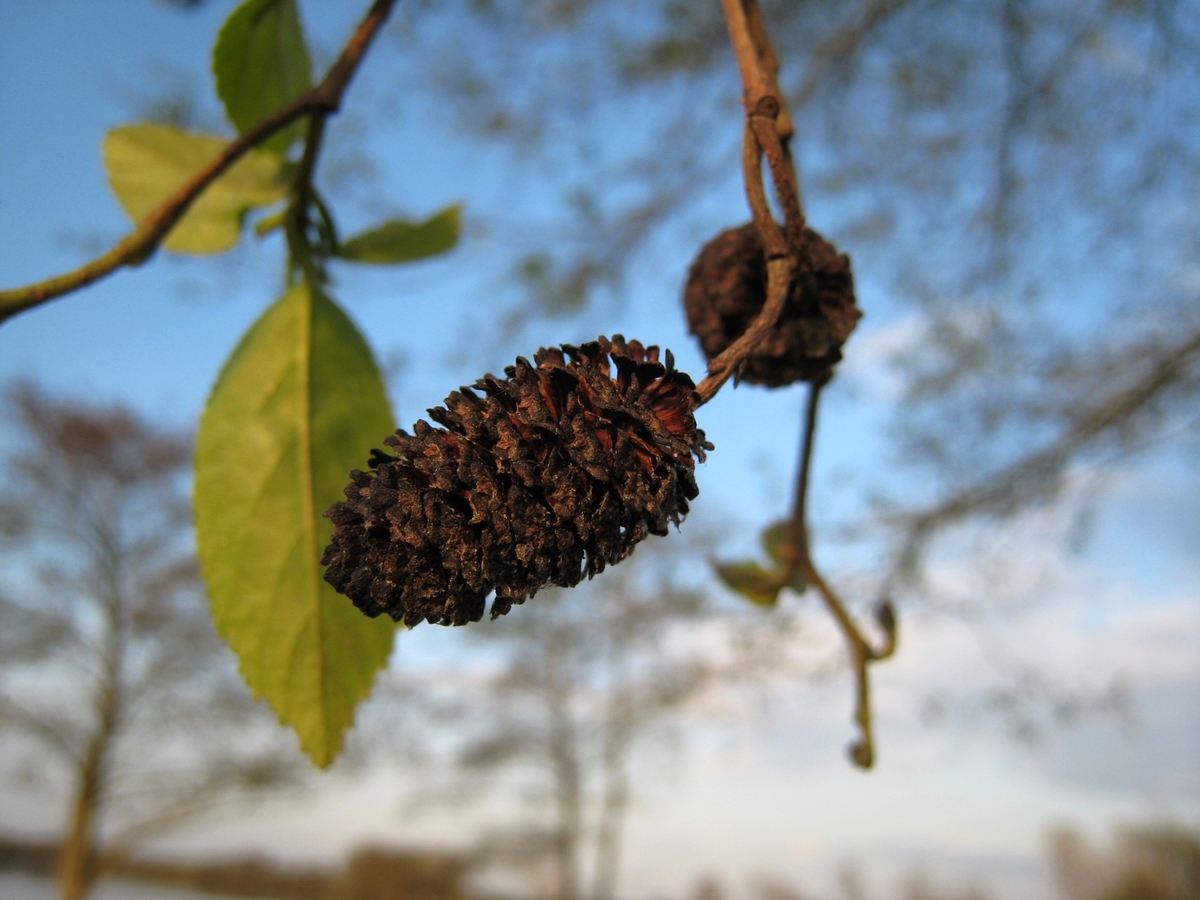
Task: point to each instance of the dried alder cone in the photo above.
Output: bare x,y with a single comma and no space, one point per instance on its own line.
543,477
726,289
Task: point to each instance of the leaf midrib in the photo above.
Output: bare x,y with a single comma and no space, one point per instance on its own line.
307,492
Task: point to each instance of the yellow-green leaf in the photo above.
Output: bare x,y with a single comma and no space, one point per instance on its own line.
298,404
772,540
260,62
270,223
148,163
401,241
751,581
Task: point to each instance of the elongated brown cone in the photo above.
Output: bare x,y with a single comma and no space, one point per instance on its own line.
553,473
727,288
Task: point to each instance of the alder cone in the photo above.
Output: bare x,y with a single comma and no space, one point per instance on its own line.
726,290
543,477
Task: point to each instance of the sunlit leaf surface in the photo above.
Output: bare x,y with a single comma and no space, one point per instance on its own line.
148,163
400,241
261,62
298,404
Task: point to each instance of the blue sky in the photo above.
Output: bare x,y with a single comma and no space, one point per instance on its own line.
757,794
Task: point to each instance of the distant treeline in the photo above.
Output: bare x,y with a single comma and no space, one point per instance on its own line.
373,873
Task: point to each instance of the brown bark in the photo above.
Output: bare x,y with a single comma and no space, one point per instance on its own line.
76,865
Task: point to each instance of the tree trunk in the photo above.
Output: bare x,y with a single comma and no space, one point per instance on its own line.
77,864
563,751
614,803
76,871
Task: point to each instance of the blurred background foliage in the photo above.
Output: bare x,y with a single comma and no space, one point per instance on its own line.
1011,175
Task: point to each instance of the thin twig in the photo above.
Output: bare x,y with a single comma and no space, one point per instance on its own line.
807,439
296,221
798,554
770,66
755,81
139,246
766,112
782,174
769,129
764,109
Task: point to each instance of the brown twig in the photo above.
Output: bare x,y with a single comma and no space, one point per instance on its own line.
323,99
769,130
766,112
770,66
799,560
768,127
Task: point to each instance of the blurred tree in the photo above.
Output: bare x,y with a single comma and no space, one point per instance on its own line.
916,884
1153,862
574,694
375,873
111,675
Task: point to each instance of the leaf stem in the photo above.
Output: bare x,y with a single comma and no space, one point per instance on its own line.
798,554
137,247
296,219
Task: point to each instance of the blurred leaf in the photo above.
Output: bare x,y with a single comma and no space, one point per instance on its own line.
751,581
772,541
267,224
148,163
298,404
399,241
885,615
261,63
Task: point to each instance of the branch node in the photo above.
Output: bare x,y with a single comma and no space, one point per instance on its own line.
767,107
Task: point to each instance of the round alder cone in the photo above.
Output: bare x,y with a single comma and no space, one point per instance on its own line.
543,477
726,290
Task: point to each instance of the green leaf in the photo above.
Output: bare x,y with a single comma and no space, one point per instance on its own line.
298,404
270,223
772,541
751,581
261,63
399,241
146,164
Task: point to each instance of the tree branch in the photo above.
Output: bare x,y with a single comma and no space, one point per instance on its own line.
56,733
1038,473
136,248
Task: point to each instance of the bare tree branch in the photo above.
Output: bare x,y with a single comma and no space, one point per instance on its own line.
1035,475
